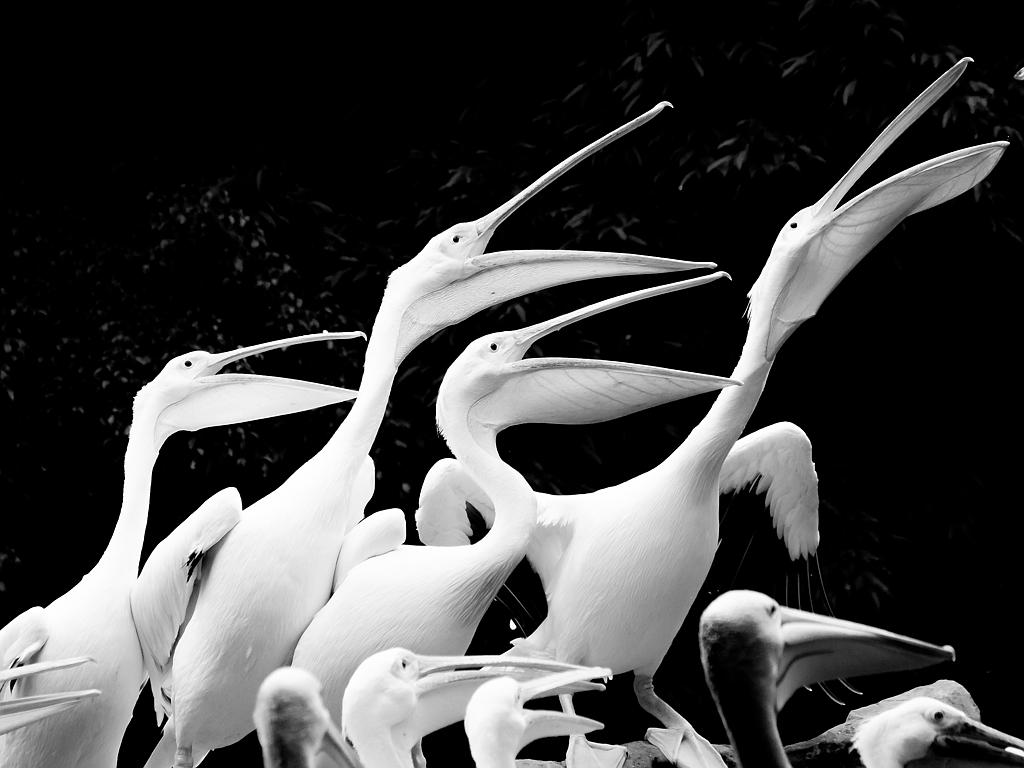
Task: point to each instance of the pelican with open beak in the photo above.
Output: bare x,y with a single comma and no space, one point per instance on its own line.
756,654
396,697
820,244
498,726
101,617
300,528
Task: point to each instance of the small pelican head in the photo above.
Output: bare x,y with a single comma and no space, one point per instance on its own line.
190,393
293,724
924,727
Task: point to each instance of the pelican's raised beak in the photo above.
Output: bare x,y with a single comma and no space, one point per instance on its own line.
27,670
337,748
819,648
487,225
18,713
487,279
216,399
977,743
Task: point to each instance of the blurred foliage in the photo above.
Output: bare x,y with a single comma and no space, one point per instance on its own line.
201,207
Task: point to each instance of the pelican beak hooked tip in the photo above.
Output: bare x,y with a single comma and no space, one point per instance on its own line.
819,648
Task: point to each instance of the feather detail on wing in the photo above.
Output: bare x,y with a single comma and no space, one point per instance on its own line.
859,225
778,459
441,519
551,537
161,598
375,534
20,641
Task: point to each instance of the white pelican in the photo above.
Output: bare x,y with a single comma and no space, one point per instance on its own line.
20,712
267,578
922,728
430,598
621,566
756,654
498,726
95,618
293,724
397,697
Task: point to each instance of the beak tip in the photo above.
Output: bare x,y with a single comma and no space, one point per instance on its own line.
665,105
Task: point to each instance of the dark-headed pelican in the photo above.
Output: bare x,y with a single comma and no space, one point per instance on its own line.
396,697
621,566
756,654
431,599
293,724
267,578
923,728
498,726
95,618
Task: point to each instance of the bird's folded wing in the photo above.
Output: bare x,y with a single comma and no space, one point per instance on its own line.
441,518
20,641
859,225
778,459
162,595
375,534
555,520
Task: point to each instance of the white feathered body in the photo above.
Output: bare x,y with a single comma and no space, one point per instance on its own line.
261,586
92,619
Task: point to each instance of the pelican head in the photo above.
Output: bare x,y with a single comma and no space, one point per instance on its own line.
756,654
188,394
925,728
820,244
452,278
491,380
498,726
293,724
396,697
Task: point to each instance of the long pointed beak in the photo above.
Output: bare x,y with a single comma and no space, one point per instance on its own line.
432,664
542,724
17,713
893,131
526,337
217,362
549,684
819,648
217,399
43,666
337,748
486,225
976,741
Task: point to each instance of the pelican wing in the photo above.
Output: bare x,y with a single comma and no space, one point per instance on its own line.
859,225
550,390
441,519
375,534
20,641
162,597
25,711
778,459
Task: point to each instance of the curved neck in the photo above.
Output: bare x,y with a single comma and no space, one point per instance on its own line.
493,757
378,749
701,455
124,550
746,703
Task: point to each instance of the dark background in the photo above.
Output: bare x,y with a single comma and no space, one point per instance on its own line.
201,182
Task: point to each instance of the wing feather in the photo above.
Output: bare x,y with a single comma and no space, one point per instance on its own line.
375,534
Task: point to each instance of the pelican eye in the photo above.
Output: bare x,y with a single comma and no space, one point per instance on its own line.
456,238
792,225
937,716
188,363
494,347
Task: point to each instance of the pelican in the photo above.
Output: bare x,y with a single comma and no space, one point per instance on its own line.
923,728
95,618
603,608
397,697
498,726
24,711
266,579
293,724
756,654
431,598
